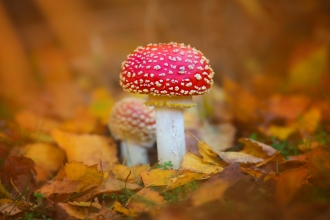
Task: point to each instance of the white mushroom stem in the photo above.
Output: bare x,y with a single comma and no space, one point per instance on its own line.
171,144
133,154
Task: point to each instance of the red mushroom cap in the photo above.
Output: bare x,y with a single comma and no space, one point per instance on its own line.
131,120
170,69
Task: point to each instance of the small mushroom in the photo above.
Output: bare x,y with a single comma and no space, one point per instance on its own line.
133,123
170,74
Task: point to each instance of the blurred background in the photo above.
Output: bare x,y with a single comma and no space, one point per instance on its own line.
54,54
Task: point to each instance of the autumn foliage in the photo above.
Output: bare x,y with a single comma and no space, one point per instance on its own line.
258,145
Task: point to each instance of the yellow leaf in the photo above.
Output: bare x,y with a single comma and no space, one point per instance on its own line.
46,156
157,177
209,156
121,172
239,157
86,204
118,207
89,149
209,192
145,200
195,163
281,132
256,148
185,178
276,158
101,105
87,176
4,192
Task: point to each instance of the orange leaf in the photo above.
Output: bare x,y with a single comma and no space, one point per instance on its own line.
288,185
157,177
256,148
89,149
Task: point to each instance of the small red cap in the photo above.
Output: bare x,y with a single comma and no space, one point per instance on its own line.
166,70
131,120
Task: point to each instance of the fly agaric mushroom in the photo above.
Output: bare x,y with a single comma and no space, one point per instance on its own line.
170,74
134,124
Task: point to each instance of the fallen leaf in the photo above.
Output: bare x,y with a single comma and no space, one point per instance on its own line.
288,185
256,148
87,176
74,211
258,173
4,192
89,149
9,207
111,184
309,121
239,157
118,207
209,156
185,178
131,174
208,192
157,177
86,204
196,164
146,200
64,186
280,132
46,156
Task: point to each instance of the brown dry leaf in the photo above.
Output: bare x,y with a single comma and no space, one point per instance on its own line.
319,165
9,207
111,184
74,211
196,164
101,105
59,187
276,158
239,157
87,176
288,107
244,104
118,207
209,192
146,200
185,178
94,204
256,148
133,173
83,122
89,149
288,185
158,177
46,156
